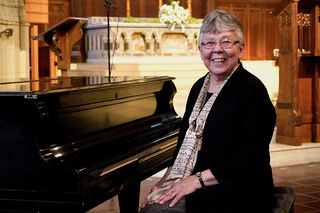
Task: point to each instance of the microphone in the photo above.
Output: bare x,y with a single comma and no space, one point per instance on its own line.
108,2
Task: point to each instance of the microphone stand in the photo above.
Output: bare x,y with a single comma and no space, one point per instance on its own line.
107,4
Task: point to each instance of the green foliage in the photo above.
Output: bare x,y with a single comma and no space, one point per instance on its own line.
135,20
131,20
153,20
193,21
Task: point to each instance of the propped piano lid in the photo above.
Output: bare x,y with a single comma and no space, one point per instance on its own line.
68,84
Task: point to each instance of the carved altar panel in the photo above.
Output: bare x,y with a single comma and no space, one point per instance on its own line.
138,46
174,43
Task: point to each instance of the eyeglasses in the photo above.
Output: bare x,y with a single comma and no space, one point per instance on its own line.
225,43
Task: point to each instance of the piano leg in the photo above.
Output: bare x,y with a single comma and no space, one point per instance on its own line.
129,198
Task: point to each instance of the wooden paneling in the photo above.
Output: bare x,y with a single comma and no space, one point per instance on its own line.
317,30
257,33
271,34
139,8
44,57
142,6
58,11
260,28
151,8
305,92
86,8
241,13
198,9
37,11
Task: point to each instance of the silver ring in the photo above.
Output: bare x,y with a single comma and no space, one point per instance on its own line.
173,194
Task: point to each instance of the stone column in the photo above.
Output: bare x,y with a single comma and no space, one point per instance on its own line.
119,45
158,34
24,41
127,42
35,54
148,39
14,48
190,38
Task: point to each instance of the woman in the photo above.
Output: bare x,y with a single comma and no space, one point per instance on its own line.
222,163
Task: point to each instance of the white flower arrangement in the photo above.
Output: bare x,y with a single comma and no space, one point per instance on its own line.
173,15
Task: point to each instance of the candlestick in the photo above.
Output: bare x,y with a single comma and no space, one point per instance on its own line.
128,8
190,8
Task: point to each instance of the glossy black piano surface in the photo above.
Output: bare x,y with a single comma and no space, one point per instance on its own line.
69,144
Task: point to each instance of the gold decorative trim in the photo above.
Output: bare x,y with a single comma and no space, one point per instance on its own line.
118,165
143,156
157,153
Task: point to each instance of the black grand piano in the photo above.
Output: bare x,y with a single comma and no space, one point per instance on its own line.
70,143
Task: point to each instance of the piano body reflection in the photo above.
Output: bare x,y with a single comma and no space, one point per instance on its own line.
69,144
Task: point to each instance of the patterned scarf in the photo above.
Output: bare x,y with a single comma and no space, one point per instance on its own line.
187,155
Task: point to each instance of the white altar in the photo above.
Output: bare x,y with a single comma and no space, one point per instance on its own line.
138,39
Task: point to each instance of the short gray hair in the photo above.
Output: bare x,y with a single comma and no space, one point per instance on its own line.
219,21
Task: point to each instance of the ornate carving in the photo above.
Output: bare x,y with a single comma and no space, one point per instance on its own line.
7,32
142,39
284,4
303,19
285,19
285,23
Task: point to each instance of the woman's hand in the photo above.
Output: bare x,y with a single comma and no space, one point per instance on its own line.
179,190
145,202
185,187
155,187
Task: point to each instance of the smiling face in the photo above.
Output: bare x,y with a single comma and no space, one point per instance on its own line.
221,62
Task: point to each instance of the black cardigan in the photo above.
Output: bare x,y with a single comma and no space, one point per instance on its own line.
235,147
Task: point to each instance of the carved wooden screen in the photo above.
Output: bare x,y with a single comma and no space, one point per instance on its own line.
289,119
297,107
304,33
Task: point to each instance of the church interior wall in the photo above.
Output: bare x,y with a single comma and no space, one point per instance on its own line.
14,41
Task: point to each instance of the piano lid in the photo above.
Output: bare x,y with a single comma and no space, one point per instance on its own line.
68,84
